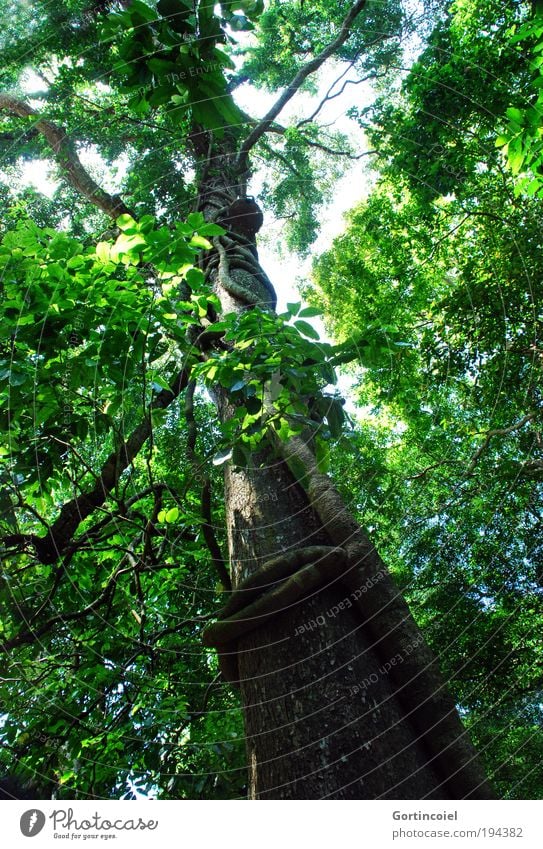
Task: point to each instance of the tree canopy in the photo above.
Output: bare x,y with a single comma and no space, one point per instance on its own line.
117,351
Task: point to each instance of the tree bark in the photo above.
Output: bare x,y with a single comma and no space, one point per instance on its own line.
321,719
325,714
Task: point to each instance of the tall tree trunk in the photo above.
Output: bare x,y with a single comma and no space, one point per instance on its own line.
341,700
321,720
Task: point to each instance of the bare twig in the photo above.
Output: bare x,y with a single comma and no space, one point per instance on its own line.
280,131
335,152
308,69
329,96
501,431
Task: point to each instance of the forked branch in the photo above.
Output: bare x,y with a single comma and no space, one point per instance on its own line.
308,69
60,536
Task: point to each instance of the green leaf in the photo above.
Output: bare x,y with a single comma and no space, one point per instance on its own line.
322,451
309,312
196,220
306,329
125,222
516,115
335,417
515,155
17,378
210,230
200,242
103,251
158,416
172,515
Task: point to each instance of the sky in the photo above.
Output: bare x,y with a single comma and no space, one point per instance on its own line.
284,269
349,190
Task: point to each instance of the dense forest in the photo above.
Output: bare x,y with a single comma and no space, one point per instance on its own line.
219,579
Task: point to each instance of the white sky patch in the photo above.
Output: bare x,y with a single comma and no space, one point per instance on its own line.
32,83
38,175
110,179
285,270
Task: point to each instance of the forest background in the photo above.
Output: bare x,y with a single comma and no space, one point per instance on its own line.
142,361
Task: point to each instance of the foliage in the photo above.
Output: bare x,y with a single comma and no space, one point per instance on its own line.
289,34
94,334
433,289
438,275
522,137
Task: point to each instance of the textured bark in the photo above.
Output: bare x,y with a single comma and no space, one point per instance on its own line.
342,699
321,719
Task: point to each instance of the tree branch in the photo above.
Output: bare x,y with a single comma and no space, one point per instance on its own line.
280,131
50,547
329,96
501,431
335,152
67,157
308,69
29,636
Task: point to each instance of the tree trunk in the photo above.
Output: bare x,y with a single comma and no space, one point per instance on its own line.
321,720
328,711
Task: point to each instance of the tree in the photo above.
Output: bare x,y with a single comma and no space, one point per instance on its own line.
438,273
341,696
521,139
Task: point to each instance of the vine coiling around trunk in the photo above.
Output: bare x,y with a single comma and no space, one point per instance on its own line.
279,583
289,559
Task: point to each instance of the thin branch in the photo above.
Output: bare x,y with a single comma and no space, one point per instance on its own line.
60,572
205,496
335,152
444,238
430,468
192,430
210,687
308,69
329,96
29,636
66,156
74,451
284,159
174,629
50,547
123,116
280,131
150,490
24,506
501,431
